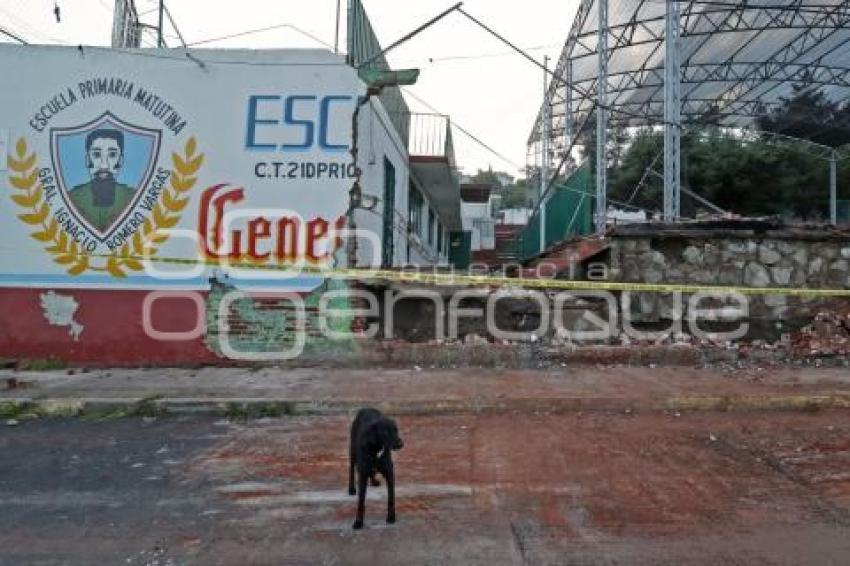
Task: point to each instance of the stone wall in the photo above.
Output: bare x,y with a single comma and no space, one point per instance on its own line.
748,254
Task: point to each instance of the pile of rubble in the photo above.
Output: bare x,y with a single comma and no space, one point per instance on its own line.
828,334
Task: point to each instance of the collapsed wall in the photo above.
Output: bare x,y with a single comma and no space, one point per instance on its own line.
752,277
754,254
387,316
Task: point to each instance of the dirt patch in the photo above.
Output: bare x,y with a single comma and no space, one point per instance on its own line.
574,476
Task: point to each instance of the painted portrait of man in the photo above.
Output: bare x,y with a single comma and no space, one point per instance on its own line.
103,199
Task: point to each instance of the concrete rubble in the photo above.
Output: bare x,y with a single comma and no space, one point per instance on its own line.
827,335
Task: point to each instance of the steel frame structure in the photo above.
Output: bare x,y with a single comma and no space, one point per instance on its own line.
126,31
672,113
737,58
602,118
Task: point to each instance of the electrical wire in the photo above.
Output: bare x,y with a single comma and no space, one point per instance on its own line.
174,25
29,29
260,30
13,36
105,6
550,72
816,8
772,144
472,57
172,55
464,131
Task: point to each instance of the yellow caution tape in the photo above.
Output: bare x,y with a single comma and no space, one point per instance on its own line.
452,279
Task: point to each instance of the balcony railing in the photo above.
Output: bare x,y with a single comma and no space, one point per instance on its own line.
431,136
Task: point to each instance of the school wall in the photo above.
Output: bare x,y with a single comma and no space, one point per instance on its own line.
126,322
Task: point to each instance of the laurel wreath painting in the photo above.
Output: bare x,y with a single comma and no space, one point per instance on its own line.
65,251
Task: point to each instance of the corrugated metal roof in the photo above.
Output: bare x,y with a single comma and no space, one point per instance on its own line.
738,58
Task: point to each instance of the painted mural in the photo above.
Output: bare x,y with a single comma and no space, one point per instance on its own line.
126,170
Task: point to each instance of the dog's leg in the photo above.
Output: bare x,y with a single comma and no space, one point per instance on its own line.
351,474
351,462
361,498
390,477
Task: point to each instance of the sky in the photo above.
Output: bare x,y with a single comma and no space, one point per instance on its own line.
466,73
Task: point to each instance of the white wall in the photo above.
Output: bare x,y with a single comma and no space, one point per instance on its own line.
515,215
474,214
223,118
379,140
471,210
423,252
238,142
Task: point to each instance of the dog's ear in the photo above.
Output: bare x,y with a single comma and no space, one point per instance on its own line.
392,439
392,427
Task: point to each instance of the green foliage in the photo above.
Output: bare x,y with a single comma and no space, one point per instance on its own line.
644,148
9,409
43,364
750,177
514,194
488,177
148,407
809,114
245,411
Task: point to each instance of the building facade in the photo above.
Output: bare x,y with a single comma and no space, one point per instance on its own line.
138,184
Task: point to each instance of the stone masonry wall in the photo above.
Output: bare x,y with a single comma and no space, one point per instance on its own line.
769,261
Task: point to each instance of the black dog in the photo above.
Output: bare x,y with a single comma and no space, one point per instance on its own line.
373,438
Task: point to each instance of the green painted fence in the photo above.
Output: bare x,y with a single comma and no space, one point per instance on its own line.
844,211
569,212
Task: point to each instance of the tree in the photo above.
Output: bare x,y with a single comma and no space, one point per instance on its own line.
490,177
516,195
809,114
514,192
642,150
748,177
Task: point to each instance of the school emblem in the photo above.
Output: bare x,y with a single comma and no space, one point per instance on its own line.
100,168
101,194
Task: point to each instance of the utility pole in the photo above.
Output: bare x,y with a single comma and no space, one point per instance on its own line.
833,187
568,110
336,35
544,162
159,27
602,119
672,115
13,36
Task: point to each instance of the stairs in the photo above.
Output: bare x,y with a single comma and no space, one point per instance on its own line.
504,253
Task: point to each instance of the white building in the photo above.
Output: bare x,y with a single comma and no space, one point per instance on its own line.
408,165
514,216
477,211
410,191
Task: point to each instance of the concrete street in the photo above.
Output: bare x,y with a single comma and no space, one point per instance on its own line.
525,486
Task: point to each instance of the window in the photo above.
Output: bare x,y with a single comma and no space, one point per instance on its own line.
432,219
439,238
389,214
414,213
